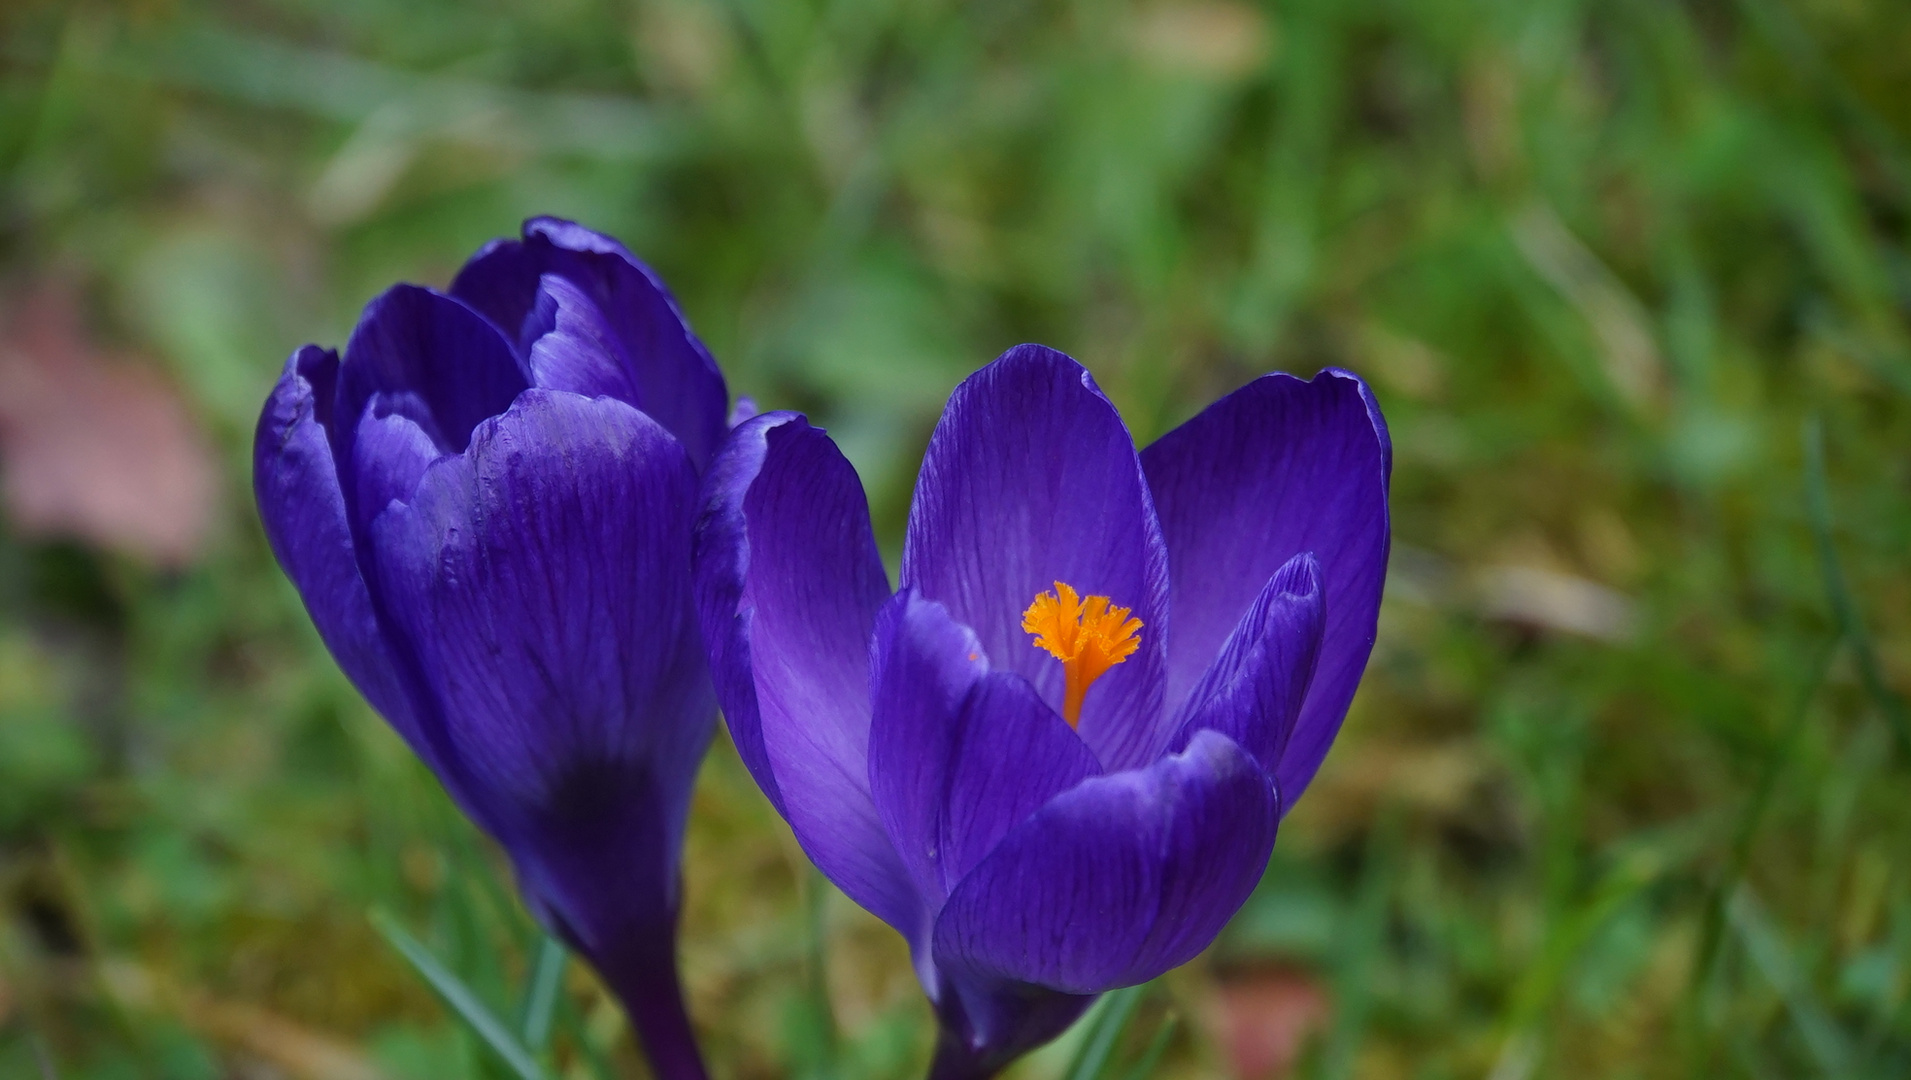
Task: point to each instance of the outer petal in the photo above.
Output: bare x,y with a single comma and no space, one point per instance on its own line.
957,755
543,580
1254,690
671,375
303,508
603,875
543,577
789,583
414,343
1029,479
1278,467
984,1027
600,861
1118,879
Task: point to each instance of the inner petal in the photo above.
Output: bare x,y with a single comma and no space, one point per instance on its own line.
1031,478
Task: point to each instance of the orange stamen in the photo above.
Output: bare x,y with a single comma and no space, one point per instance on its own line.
1088,635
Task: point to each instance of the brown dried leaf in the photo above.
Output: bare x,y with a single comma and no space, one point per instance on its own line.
97,446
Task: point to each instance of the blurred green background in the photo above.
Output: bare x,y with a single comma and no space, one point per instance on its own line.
1625,790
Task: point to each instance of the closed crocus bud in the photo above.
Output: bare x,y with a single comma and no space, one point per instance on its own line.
1055,760
487,508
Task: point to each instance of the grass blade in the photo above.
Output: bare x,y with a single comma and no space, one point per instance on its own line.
1104,1034
1713,930
460,998
540,995
1152,1056
1838,589
1773,956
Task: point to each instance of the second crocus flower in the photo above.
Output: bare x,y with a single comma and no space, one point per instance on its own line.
486,505
1055,760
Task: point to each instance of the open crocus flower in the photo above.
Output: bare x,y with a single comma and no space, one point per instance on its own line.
487,507
1055,760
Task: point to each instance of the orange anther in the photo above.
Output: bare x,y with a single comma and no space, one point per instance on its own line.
1088,635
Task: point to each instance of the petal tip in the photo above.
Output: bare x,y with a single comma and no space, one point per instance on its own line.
1299,577
303,393
1374,415
932,624
568,234
1033,357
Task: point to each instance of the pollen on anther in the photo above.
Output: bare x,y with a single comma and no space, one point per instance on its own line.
1088,635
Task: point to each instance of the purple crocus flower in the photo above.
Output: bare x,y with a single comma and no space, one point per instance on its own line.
487,507
1055,760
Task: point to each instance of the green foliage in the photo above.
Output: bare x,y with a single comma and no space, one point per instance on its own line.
1624,793
462,1000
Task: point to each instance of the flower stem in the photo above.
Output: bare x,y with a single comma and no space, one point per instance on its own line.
653,999
954,1061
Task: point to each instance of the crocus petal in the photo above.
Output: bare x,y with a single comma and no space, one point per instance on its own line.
543,577
957,755
599,863
984,1025
391,453
504,569
502,279
1014,756
500,282
414,342
575,348
1118,879
1254,690
1278,467
1031,478
303,508
602,875
923,665
789,582
671,375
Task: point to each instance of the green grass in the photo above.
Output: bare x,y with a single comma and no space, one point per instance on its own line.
1603,263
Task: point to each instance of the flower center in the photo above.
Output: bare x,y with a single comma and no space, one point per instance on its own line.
1088,635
